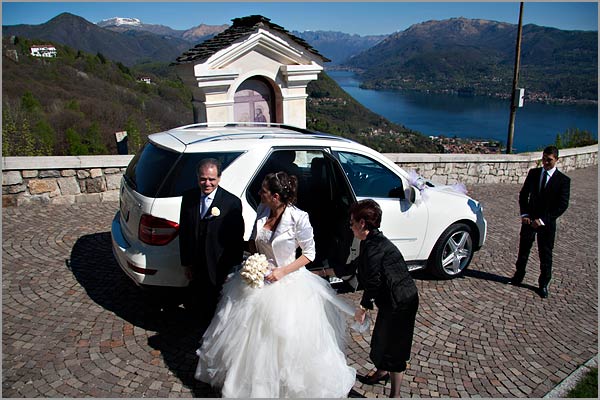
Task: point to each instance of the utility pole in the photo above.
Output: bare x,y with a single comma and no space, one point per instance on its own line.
513,104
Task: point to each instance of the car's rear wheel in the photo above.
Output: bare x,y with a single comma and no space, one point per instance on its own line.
452,252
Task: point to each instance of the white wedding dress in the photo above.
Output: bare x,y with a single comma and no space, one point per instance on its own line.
285,339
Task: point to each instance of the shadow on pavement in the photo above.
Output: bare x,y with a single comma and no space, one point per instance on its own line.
423,275
177,331
495,278
471,273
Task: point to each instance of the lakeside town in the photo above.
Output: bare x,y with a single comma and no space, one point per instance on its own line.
467,146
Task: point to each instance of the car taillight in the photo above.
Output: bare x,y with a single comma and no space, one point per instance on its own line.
157,231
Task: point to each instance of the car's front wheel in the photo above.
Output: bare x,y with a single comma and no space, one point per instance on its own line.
452,252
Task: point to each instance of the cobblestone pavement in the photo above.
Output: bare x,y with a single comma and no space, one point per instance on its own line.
75,326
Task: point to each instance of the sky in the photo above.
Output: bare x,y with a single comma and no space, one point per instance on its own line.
362,18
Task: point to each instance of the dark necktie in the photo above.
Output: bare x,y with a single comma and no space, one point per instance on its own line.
544,180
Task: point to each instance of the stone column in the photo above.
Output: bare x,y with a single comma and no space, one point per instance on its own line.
209,92
296,78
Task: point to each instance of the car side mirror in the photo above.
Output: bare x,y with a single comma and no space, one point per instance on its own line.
397,193
412,194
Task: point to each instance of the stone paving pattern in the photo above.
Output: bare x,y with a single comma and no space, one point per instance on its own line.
75,326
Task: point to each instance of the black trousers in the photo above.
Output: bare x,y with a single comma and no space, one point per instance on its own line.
203,295
545,241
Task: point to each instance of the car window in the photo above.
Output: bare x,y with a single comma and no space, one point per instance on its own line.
157,172
301,163
183,175
148,168
370,178
290,161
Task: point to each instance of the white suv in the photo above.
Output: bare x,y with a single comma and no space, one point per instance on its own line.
434,227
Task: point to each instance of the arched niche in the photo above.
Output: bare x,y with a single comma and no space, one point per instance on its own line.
257,100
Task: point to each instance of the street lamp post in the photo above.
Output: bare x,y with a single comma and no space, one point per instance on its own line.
513,100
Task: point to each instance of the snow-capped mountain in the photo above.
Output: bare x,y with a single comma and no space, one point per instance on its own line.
192,35
119,21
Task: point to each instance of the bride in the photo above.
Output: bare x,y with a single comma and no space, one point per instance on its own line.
287,338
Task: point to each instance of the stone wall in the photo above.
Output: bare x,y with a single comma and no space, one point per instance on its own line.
448,169
88,179
61,180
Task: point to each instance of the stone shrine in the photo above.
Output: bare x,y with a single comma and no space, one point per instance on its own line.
254,71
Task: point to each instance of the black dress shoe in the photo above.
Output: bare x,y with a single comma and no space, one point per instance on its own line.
373,378
544,292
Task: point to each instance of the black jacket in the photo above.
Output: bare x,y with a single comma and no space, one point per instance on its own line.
383,274
213,242
548,204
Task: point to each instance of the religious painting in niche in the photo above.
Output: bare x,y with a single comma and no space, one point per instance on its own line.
252,102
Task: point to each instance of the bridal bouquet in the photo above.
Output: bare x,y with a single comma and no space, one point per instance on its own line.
254,269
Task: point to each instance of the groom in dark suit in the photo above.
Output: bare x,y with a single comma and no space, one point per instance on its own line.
543,198
211,236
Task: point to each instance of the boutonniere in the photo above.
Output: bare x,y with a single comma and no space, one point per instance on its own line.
215,212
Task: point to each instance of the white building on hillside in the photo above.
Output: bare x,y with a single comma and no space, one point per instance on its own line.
43,50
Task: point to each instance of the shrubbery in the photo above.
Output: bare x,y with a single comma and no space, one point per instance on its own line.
574,137
73,104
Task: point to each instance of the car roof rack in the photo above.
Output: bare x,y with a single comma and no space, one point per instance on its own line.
229,136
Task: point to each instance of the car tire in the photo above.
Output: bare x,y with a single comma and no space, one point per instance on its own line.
452,252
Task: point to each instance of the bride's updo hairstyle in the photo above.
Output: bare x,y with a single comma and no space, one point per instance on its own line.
286,186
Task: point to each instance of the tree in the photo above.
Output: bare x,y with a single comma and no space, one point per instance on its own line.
9,129
75,146
133,135
17,138
101,57
123,68
574,137
29,103
45,138
72,105
93,140
558,142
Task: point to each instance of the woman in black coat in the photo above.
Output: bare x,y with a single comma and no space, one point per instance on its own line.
386,282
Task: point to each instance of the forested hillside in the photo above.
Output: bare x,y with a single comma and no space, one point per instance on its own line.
477,56
74,104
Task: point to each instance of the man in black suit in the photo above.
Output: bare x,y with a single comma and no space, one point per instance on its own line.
543,198
211,237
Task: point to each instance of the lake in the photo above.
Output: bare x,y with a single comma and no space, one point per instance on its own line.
477,117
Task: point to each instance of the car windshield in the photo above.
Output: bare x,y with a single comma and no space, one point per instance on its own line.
157,172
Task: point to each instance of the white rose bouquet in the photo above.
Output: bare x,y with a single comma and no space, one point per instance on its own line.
254,269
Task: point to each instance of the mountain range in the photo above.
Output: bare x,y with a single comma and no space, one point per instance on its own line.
131,42
337,45
193,35
461,55
130,46
478,56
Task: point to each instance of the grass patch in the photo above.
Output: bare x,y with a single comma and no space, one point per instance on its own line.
587,386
